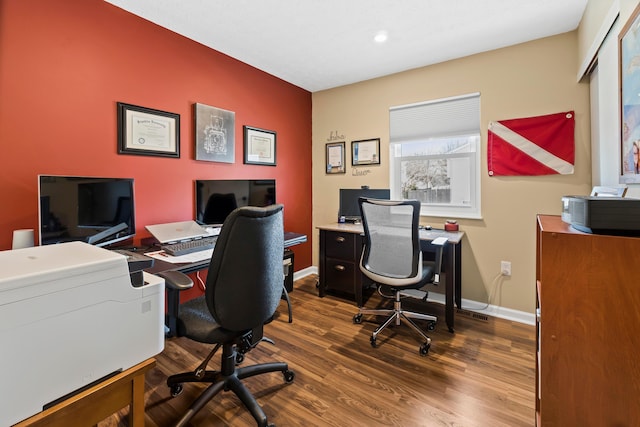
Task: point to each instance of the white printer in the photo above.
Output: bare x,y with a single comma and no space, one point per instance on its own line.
70,316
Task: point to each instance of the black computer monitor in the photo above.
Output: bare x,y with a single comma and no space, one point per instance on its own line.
96,210
349,207
216,198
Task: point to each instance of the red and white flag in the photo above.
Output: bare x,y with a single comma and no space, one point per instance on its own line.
542,145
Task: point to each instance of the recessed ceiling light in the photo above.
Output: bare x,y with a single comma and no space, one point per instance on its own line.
381,37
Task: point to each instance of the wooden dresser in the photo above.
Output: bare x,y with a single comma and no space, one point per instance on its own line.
588,327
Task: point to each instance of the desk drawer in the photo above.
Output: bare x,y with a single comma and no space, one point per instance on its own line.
340,275
341,245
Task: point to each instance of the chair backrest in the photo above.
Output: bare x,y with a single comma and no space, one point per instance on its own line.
245,277
392,240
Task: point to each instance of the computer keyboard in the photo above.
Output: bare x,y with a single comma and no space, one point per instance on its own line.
183,248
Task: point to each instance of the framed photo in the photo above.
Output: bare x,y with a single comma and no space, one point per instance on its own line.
365,152
215,134
629,50
148,132
259,146
335,158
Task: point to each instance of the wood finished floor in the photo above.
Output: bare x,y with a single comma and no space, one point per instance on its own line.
483,375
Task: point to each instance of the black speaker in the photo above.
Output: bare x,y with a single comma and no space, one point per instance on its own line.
287,262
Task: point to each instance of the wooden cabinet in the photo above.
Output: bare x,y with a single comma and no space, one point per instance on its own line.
340,264
588,327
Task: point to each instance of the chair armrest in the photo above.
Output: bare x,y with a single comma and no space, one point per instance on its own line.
176,280
438,243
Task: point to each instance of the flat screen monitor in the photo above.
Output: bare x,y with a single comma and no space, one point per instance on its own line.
349,207
96,210
216,198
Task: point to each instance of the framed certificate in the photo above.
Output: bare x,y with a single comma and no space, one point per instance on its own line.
148,132
259,146
335,158
365,152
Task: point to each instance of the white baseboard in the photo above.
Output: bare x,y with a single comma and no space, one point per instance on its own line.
490,310
470,305
305,272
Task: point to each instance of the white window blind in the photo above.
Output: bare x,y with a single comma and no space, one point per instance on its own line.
435,155
445,117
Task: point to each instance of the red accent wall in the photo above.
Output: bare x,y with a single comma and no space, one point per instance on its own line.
63,66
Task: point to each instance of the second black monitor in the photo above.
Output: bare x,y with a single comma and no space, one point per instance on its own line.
216,198
349,207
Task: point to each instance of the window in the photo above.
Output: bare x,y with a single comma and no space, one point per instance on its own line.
435,155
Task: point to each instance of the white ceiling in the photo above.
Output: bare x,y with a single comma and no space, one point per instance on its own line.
321,44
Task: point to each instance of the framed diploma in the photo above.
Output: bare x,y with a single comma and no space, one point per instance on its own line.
148,132
259,146
365,152
335,158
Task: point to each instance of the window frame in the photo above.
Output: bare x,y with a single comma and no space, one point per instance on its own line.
446,128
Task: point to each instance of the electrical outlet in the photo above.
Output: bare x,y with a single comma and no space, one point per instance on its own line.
505,268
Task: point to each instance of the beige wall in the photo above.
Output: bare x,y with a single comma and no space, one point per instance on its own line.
530,79
590,26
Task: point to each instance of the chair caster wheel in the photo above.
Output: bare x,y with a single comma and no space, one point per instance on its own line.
373,342
289,376
176,390
357,319
424,349
431,326
239,358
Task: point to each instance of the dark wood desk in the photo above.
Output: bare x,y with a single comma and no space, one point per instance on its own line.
173,295
340,250
98,402
290,239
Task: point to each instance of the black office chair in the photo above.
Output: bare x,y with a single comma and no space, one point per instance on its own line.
392,258
244,286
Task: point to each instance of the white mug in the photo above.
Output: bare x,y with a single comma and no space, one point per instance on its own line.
22,238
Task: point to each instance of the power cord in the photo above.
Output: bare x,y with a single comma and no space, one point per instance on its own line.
495,284
201,283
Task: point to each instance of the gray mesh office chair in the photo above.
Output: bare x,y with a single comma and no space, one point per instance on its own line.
392,258
244,286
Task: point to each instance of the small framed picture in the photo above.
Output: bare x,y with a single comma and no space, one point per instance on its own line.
147,132
335,157
365,152
215,134
259,146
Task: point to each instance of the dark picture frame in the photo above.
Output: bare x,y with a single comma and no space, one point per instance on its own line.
147,132
365,152
334,155
259,146
215,136
629,80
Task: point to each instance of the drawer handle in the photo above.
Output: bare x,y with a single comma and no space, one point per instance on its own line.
340,239
339,267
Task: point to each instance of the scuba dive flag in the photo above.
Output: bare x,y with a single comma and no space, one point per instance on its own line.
542,145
